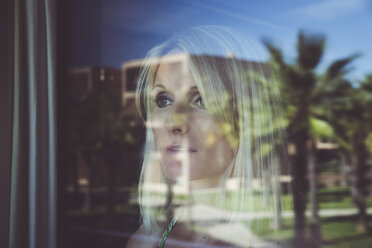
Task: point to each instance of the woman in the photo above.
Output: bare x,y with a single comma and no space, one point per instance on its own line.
213,130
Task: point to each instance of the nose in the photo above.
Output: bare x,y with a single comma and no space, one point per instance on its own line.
178,121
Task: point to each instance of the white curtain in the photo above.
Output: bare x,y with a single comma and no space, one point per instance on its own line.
33,172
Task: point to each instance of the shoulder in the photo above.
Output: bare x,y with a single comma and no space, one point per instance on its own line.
143,239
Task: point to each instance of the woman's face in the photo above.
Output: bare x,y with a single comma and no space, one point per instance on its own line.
187,138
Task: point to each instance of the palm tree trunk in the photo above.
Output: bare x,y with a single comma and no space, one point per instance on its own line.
315,233
299,190
300,136
344,169
360,182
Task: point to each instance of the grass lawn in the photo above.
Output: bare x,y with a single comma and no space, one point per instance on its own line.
337,232
337,198
329,198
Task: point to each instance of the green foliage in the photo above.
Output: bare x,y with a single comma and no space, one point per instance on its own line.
298,81
321,129
348,111
310,98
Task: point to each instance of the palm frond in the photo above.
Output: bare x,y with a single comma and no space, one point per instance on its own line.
275,53
340,67
310,48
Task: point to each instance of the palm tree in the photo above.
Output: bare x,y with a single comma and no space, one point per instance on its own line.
300,87
298,83
361,119
352,121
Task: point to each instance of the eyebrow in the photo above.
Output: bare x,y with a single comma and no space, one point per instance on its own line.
162,86
159,85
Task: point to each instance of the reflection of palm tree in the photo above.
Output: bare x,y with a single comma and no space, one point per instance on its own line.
100,131
300,92
352,120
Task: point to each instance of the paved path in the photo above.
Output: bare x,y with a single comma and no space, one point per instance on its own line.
236,232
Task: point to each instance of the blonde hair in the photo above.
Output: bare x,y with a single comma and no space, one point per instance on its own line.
243,99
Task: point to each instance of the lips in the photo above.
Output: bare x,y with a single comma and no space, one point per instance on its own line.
176,148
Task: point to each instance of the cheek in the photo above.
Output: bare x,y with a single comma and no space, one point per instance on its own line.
227,154
157,130
206,131
218,151
213,139
222,153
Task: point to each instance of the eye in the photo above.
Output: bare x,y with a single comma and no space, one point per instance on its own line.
163,100
199,101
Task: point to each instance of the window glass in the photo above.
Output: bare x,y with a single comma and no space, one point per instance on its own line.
235,138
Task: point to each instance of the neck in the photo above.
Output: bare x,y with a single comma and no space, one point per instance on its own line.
205,183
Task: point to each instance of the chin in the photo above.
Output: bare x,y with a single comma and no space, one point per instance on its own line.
172,170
